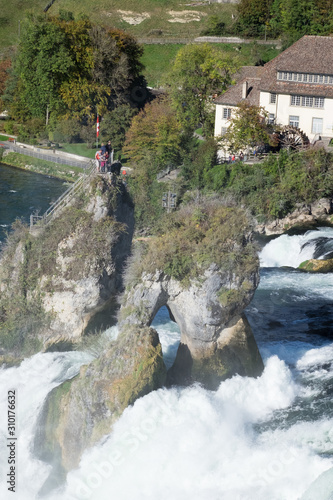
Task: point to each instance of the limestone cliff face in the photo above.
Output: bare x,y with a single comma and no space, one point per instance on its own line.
54,281
79,412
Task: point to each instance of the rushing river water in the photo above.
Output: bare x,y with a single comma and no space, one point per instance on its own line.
269,438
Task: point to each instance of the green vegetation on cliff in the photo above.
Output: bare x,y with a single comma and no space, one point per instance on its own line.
201,233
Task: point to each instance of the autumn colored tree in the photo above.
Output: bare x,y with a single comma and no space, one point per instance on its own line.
154,131
197,74
70,67
248,127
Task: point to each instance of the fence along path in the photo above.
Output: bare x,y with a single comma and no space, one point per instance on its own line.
65,198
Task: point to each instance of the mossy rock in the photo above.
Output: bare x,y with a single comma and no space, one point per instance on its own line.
78,413
317,266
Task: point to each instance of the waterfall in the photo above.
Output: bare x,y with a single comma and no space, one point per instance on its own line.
269,438
293,250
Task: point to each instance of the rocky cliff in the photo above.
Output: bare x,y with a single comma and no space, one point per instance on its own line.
55,280
79,412
305,216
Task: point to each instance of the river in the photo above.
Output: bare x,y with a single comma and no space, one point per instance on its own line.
269,438
23,193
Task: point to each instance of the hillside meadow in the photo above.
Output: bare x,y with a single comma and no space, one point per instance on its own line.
147,18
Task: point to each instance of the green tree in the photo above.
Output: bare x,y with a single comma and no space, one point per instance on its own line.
248,127
5,65
197,74
154,131
71,68
115,125
254,16
42,63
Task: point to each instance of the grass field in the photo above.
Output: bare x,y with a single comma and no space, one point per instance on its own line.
145,19
158,58
172,18
78,149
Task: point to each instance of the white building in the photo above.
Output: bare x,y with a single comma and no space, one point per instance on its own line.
295,88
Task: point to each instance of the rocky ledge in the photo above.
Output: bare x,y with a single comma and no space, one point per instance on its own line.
305,216
317,266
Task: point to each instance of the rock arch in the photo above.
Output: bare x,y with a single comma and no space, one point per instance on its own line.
216,339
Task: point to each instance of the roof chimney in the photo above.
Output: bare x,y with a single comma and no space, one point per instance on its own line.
244,90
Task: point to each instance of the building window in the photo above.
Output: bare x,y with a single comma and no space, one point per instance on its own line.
226,113
294,121
223,130
271,118
295,100
305,77
318,102
307,101
272,98
317,125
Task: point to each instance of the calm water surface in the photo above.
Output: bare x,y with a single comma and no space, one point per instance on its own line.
22,193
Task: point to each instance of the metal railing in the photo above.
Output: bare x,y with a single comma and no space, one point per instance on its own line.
64,199
43,155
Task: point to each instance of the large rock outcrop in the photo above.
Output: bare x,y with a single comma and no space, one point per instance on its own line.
305,216
55,280
205,296
204,268
79,412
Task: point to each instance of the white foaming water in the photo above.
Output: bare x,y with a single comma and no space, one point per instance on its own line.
304,284
196,444
290,250
169,335
32,381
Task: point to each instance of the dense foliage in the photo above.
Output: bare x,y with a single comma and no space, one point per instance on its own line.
288,18
248,127
203,231
70,68
197,74
274,187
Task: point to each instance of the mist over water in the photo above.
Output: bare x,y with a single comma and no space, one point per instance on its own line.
269,438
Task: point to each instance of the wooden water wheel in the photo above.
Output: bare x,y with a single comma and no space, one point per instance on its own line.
293,138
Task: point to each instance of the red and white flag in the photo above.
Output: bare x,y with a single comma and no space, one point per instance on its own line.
97,127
